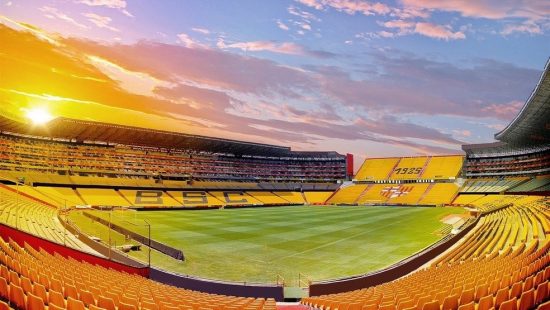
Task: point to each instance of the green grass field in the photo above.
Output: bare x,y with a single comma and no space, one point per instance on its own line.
256,245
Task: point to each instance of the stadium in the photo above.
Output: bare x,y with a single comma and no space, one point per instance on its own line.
102,216
290,155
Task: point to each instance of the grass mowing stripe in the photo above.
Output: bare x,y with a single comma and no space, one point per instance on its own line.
342,240
256,244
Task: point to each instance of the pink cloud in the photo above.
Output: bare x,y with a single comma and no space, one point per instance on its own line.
463,133
490,9
255,46
282,25
410,12
221,87
503,111
101,21
401,24
313,3
54,13
306,16
405,27
386,34
188,42
534,13
350,6
113,4
438,31
288,48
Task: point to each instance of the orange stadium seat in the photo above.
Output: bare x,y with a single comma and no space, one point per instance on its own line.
509,270
117,290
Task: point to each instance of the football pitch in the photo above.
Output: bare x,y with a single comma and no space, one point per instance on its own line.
258,244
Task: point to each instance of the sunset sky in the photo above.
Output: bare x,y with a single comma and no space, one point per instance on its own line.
391,78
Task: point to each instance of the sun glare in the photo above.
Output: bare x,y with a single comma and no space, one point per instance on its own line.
39,115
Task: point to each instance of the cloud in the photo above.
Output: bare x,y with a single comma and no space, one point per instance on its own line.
189,42
506,111
219,93
400,84
350,6
406,27
101,21
201,30
526,27
306,16
302,21
405,84
438,31
54,13
489,9
464,133
532,13
390,126
113,4
288,48
403,26
219,102
214,67
282,25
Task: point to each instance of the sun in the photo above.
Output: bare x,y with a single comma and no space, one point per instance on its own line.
39,115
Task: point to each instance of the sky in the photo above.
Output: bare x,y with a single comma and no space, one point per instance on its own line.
389,78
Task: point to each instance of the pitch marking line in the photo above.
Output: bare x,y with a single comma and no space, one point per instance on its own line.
336,241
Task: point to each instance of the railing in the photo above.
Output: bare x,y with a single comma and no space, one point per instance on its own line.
280,280
303,280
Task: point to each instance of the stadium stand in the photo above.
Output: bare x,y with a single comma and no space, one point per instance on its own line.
509,250
99,197
149,198
538,183
291,197
491,185
34,217
522,148
403,181
466,199
443,167
376,168
316,198
411,168
32,279
375,194
439,193
390,193
34,192
502,159
159,198
406,194
268,198
65,162
348,195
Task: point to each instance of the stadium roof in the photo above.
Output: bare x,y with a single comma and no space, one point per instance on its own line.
88,131
532,124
